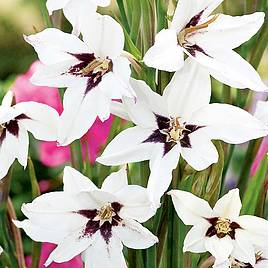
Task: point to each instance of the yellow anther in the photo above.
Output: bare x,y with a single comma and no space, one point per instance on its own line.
106,212
96,66
223,227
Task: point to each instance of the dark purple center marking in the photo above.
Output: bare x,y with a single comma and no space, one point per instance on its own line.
192,49
195,19
222,227
12,127
102,220
167,129
91,67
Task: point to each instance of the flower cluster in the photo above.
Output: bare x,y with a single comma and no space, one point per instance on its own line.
180,123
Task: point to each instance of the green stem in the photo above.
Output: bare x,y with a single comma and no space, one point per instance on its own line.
36,246
253,148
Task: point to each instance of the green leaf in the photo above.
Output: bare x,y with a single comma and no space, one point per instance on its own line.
252,194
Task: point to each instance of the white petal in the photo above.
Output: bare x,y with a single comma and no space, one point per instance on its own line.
148,97
140,113
195,238
115,84
8,113
256,229
75,182
191,209
115,181
70,247
128,147
21,145
49,210
136,203
54,46
102,198
40,234
228,123
118,109
43,120
220,248
229,32
202,153
262,111
165,54
134,235
187,9
79,114
229,205
8,99
161,173
55,5
56,75
75,12
103,35
230,68
183,93
6,157
243,249
111,254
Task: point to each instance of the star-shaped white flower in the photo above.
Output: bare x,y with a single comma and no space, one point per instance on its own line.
95,222
74,10
93,70
220,230
261,256
210,41
39,119
181,122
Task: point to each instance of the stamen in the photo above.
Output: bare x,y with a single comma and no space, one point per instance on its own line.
175,131
101,66
106,212
223,227
182,35
2,127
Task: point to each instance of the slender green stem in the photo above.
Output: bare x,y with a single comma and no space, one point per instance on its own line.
226,165
36,246
247,163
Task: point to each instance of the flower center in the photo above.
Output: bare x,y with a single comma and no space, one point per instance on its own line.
106,212
182,36
175,131
223,227
101,66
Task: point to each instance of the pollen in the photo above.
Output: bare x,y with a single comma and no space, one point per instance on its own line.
223,227
175,132
106,212
101,66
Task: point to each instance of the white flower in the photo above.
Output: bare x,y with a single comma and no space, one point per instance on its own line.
220,230
261,256
93,70
1,250
209,40
94,222
74,10
180,122
39,119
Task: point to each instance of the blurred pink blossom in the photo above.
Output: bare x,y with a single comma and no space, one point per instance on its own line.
261,153
46,250
49,153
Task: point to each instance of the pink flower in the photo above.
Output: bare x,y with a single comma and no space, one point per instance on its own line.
49,153
261,153
47,248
